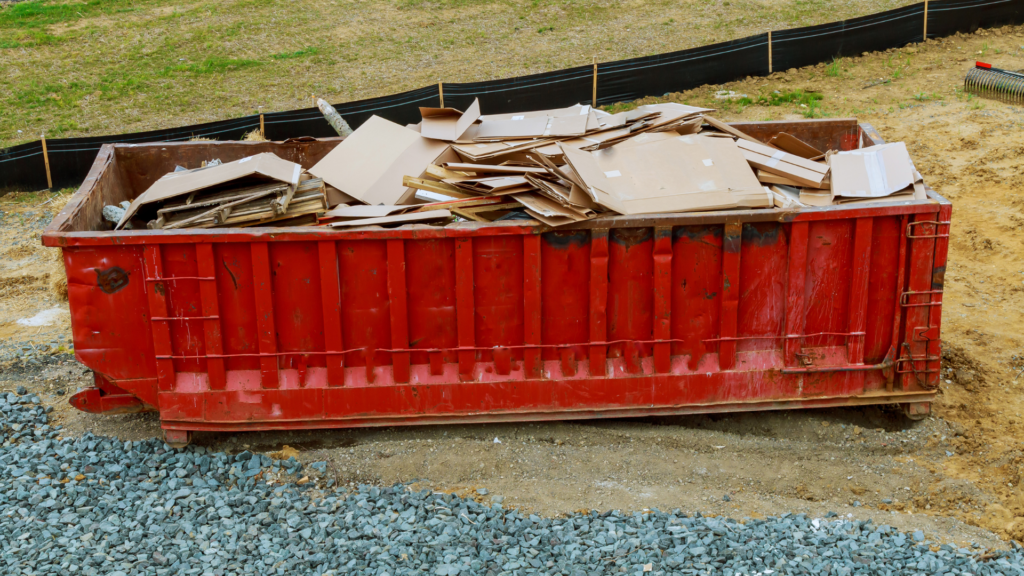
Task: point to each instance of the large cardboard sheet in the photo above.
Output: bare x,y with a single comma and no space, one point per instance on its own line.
872,172
369,165
649,175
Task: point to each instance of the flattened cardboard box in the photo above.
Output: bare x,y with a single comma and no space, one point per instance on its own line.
369,165
648,175
872,172
800,170
266,165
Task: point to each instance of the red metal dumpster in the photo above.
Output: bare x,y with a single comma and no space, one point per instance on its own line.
285,328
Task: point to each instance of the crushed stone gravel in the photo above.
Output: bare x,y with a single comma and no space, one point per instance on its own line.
99,506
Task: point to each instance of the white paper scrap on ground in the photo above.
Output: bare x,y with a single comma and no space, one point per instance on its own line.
44,318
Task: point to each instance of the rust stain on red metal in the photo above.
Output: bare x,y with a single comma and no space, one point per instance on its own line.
111,280
258,328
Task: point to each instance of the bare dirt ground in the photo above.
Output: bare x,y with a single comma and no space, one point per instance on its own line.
956,476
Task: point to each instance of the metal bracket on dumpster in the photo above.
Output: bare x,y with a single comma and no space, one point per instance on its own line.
910,226
98,402
886,365
925,333
905,298
106,398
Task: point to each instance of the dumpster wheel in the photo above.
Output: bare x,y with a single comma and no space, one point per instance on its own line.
177,439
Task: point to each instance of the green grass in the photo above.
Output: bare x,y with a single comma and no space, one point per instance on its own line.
777,98
92,67
211,66
39,14
308,51
834,69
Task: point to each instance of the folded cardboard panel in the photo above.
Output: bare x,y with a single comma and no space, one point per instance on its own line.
448,124
872,172
369,165
673,174
789,166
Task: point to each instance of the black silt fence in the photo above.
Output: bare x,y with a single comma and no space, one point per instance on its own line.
811,45
534,92
401,108
22,167
677,71
951,16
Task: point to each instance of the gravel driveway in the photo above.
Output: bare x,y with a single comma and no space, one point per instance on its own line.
97,506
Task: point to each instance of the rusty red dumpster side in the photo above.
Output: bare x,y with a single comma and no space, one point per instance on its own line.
264,328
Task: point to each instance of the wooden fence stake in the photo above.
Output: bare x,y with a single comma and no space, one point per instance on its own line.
46,160
440,91
925,39
769,51
593,101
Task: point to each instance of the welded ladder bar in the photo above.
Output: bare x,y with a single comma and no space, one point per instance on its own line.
330,294
399,312
731,246
157,296
598,301
266,335
663,299
211,309
919,280
938,282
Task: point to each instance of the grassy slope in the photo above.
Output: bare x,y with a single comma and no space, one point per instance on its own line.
89,67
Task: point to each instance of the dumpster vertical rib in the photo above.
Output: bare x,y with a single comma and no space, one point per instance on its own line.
158,309
859,289
265,332
464,308
598,301
531,308
731,246
901,270
211,309
330,293
399,312
662,299
938,281
795,305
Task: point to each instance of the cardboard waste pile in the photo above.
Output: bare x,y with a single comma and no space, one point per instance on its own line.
555,166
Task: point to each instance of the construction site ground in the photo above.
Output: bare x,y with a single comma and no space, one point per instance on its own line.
955,476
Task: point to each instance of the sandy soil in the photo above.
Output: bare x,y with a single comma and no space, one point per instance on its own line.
957,475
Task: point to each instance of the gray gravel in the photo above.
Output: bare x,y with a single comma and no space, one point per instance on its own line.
99,506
